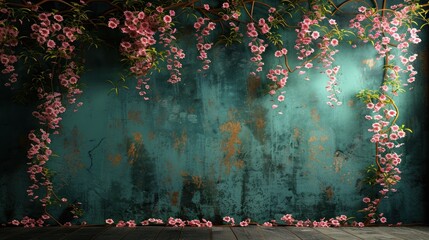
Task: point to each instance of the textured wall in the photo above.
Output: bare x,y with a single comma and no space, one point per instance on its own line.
211,145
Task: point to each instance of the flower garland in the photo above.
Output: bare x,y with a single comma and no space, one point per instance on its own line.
149,38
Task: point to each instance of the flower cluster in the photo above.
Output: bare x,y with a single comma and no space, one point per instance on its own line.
39,153
257,47
31,222
386,135
172,222
332,86
174,53
384,30
8,41
69,79
50,33
338,221
138,46
279,77
203,27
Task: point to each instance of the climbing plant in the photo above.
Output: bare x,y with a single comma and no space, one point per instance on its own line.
43,44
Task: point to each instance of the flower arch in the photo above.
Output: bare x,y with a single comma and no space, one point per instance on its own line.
49,35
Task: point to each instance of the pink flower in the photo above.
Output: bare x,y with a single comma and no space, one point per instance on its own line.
113,23
244,224
225,5
145,222
281,98
334,42
58,18
121,224
15,222
167,19
159,9
383,220
284,51
332,22
67,224
109,221
278,54
227,219
308,65
315,34
141,15
50,43
366,200
362,9
391,113
206,7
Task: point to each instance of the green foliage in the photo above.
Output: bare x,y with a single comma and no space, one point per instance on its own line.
367,95
117,85
371,175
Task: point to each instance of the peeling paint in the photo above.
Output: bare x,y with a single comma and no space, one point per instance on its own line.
229,145
369,62
315,115
180,141
339,159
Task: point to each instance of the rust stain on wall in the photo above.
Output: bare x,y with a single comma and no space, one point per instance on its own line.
369,62
350,103
135,116
329,193
296,134
74,164
174,198
138,137
131,150
312,139
315,115
313,153
197,181
253,85
229,145
115,159
324,138
134,147
257,123
180,141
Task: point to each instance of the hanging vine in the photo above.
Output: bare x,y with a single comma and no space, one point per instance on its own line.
51,36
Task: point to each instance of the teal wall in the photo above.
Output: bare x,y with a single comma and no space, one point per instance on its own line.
212,146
